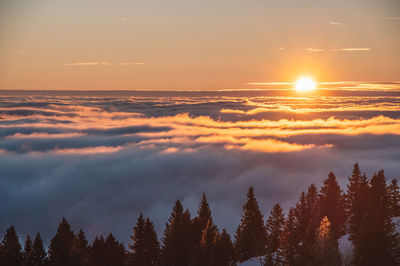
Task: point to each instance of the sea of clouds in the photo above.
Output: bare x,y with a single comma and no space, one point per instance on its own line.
100,158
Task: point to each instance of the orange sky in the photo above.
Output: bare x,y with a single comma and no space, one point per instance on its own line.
226,44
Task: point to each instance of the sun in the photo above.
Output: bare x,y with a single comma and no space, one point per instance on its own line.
305,85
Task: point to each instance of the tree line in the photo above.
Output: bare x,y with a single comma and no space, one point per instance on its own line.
307,235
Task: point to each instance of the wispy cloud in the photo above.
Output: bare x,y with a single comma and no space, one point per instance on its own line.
20,52
89,64
88,150
392,18
314,50
40,135
270,83
355,49
106,64
269,145
132,63
123,19
335,23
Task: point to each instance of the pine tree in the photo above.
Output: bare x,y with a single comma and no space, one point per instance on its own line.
356,201
153,246
357,206
145,248
138,241
11,252
61,244
394,198
223,251
394,211
38,251
250,239
177,241
326,250
359,221
28,252
290,239
207,237
301,216
332,206
313,210
200,223
202,254
97,252
202,218
355,181
274,226
307,214
115,253
107,252
80,249
377,244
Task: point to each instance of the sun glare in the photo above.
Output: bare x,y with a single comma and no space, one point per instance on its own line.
305,85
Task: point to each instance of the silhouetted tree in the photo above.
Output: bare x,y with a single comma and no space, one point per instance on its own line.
177,240
202,254
326,250
378,240
307,213
145,247
274,226
223,251
115,253
28,252
97,252
107,252
200,222
394,198
202,218
357,204
290,239
355,181
80,249
394,210
38,252
61,244
11,252
332,206
250,239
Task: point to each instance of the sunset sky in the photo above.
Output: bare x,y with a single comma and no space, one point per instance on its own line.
168,45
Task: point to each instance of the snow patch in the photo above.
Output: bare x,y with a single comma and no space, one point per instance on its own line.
396,222
345,244
256,261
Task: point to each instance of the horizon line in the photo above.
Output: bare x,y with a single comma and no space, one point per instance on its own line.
393,82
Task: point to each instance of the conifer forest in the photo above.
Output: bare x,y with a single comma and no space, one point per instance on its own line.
366,213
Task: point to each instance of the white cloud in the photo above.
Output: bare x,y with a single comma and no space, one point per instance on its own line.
123,19
335,23
132,63
106,64
393,18
88,64
19,52
314,50
352,49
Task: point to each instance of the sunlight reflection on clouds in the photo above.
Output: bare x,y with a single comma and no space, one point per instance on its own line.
89,157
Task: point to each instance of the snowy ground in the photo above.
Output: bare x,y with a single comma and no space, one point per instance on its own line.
256,261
